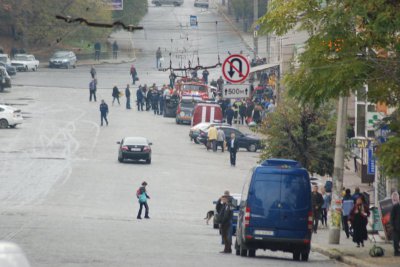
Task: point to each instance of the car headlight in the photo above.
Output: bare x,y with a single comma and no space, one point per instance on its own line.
65,60
182,113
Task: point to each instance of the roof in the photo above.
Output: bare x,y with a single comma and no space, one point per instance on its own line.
262,67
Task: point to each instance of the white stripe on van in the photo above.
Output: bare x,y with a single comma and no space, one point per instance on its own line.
203,114
212,116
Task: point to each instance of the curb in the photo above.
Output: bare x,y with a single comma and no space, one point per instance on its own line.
129,60
233,26
338,256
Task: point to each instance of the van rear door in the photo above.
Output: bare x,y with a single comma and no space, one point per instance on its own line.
295,200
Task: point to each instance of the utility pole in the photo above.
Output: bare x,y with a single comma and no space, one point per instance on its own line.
336,212
255,28
268,41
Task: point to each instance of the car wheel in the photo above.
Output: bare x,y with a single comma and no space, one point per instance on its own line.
304,256
178,122
252,253
296,256
121,159
243,252
252,148
1,88
3,124
148,161
13,126
34,68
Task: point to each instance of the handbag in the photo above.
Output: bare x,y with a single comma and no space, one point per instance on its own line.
376,251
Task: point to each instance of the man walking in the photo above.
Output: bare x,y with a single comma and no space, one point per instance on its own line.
142,196
115,49
97,51
395,222
212,138
128,97
230,113
158,57
93,72
133,73
139,98
92,90
220,84
347,206
225,225
115,95
103,112
220,139
205,76
233,147
317,201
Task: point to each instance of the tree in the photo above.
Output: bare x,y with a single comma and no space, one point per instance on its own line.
133,12
351,43
303,133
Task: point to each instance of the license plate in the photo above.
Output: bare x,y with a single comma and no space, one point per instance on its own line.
263,232
136,149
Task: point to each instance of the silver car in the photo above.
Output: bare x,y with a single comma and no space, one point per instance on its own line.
167,2
63,59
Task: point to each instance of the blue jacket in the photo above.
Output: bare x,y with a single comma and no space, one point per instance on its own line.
103,108
139,95
347,205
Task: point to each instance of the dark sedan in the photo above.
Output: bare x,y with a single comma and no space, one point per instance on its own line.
11,70
251,142
134,148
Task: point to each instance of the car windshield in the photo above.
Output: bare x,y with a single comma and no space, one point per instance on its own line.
135,141
187,104
60,54
194,87
21,57
3,59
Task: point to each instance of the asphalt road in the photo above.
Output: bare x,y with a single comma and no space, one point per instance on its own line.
66,200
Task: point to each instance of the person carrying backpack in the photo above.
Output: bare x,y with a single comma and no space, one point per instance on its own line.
142,196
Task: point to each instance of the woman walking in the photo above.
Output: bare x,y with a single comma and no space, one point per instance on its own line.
115,95
359,220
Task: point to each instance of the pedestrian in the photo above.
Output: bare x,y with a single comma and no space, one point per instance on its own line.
395,222
256,116
139,98
115,49
356,194
347,206
155,99
142,196
133,73
359,220
147,97
226,216
92,90
233,147
220,139
158,58
317,201
97,50
242,113
115,95
128,97
230,113
161,99
205,76
212,138
220,84
172,78
103,112
325,207
93,72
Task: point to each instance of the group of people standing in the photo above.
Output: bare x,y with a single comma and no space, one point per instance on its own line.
152,98
216,137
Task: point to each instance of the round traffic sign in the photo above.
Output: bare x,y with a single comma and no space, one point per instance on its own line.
236,68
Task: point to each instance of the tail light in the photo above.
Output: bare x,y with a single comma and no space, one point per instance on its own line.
247,217
146,149
310,221
124,148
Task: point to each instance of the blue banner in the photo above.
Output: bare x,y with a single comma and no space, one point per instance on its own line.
371,161
193,21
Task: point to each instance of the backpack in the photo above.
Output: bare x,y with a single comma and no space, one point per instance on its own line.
143,197
328,186
376,251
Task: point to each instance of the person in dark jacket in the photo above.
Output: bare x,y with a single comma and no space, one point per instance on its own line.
139,98
93,72
233,147
229,115
205,76
395,222
133,73
154,100
103,112
242,113
347,206
226,216
142,196
115,95
128,97
359,220
257,114
92,90
317,201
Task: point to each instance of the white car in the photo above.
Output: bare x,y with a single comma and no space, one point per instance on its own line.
201,3
24,62
9,116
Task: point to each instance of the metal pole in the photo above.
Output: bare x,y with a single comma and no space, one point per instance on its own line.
255,35
335,224
268,41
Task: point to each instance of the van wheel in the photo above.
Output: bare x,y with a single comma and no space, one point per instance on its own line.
252,148
252,253
304,256
296,256
148,161
243,252
120,159
3,124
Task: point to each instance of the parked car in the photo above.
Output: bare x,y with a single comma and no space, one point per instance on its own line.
184,111
11,70
202,126
5,79
206,112
9,117
171,105
250,142
201,3
11,255
5,59
167,2
25,62
63,59
275,210
135,148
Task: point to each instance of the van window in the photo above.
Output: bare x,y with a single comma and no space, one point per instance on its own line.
295,192
246,185
265,193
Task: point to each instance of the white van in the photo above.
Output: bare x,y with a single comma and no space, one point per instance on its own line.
167,2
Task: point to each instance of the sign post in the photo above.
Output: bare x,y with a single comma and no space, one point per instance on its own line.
236,68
